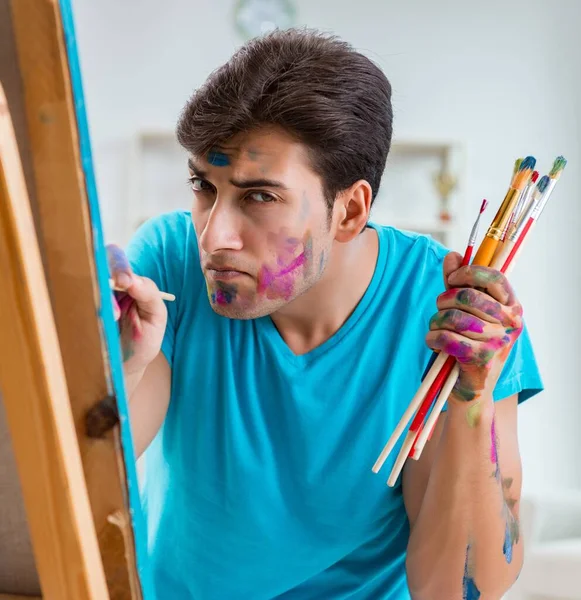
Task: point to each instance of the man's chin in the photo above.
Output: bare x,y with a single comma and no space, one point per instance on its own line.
242,313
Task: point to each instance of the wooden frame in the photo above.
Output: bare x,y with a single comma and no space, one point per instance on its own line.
36,399
74,328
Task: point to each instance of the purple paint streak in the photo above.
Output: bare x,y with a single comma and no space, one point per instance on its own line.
493,449
224,295
280,283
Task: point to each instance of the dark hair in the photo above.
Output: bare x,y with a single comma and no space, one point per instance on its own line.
317,87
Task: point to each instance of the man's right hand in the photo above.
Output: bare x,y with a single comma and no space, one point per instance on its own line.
141,313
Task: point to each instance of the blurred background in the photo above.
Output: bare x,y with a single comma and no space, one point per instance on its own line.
475,85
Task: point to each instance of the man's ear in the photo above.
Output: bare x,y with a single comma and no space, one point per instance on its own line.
351,211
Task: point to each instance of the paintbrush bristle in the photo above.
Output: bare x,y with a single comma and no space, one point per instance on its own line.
543,183
558,166
483,206
517,164
528,163
524,172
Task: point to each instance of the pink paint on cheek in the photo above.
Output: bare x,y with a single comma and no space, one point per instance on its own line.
299,261
280,283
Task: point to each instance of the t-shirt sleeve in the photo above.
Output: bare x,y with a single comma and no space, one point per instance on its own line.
156,250
520,374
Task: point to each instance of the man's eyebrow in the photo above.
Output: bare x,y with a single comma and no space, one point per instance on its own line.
239,183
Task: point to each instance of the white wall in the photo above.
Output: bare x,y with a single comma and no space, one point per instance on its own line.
504,78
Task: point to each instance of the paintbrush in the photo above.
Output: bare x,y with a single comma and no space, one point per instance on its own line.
524,201
533,210
163,295
542,194
417,424
431,380
493,235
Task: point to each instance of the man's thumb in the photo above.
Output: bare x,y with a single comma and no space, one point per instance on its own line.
452,262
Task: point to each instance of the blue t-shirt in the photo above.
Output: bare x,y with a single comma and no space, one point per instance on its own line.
259,483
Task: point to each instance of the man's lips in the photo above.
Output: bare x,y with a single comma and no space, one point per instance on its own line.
224,273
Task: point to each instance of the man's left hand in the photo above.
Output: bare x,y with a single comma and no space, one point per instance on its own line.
479,319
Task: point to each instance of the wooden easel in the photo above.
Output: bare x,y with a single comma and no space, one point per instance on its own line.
59,355
36,398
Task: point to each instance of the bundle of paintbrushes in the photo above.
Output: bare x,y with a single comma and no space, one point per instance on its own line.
522,206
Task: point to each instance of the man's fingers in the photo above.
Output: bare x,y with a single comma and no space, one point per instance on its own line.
453,344
476,303
144,291
493,282
465,323
119,266
139,289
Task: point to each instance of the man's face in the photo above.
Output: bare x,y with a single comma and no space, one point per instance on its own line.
262,223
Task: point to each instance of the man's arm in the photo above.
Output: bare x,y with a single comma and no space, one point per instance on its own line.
149,394
462,499
142,319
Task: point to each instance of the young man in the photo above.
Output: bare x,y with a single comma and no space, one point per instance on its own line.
266,391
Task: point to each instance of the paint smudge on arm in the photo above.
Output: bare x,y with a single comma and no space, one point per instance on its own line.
512,526
474,414
469,589
494,446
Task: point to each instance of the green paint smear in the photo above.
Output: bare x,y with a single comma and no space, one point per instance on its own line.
473,414
485,276
465,394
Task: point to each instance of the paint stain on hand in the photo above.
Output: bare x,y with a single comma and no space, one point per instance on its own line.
130,326
119,266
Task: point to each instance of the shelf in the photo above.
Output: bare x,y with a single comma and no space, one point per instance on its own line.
422,147
421,226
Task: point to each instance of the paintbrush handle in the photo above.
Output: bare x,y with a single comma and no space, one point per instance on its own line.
413,406
432,393
163,295
486,251
401,458
503,253
516,248
438,406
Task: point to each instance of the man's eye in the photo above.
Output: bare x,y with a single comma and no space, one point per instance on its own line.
261,197
200,185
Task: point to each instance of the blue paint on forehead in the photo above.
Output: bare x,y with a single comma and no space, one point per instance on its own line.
218,159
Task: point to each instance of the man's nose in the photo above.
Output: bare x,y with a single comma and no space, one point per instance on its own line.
222,230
